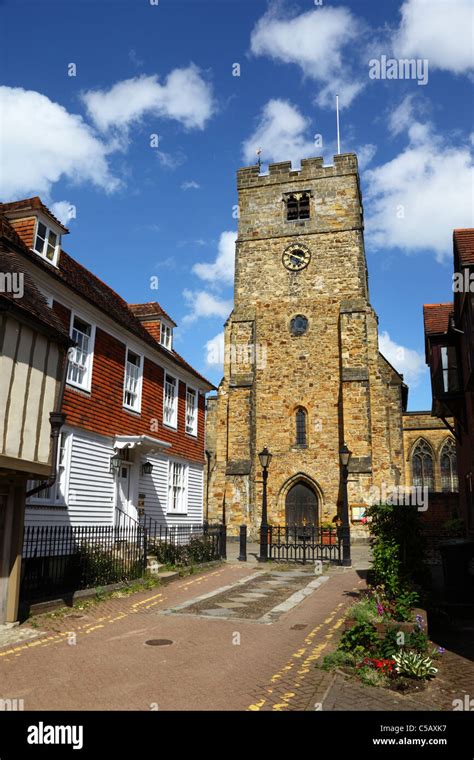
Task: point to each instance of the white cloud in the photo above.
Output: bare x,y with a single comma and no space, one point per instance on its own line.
314,41
215,351
63,210
416,200
365,154
408,362
282,133
204,304
190,185
171,160
43,142
222,269
439,30
137,62
185,97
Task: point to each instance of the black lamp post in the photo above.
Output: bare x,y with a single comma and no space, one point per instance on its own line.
265,459
345,457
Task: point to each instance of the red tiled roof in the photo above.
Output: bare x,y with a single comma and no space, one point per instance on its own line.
150,310
464,245
92,289
436,317
32,304
35,204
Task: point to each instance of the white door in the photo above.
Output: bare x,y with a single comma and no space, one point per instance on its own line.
124,495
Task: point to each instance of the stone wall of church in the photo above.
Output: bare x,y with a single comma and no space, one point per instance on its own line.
334,370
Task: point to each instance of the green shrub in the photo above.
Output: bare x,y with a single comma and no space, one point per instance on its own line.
359,639
96,566
386,566
339,659
389,645
404,603
372,677
398,525
414,665
198,549
364,611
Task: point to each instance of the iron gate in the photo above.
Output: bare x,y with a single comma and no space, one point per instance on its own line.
304,543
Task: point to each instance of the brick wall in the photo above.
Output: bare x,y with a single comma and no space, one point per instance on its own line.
441,508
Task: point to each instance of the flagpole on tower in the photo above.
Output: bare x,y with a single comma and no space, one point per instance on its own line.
337,120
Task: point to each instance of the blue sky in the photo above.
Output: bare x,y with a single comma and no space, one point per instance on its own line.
163,206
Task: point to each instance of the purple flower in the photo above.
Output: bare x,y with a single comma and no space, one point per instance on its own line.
441,650
420,621
379,609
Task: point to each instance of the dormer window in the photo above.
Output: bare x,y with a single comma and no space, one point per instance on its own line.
166,336
297,206
46,242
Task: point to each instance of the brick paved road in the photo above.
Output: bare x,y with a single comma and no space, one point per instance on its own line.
99,659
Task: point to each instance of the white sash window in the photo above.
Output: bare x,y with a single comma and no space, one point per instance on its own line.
170,403
55,495
46,243
132,390
177,487
80,355
191,411
166,336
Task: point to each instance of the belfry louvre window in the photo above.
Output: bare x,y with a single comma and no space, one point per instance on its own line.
80,357
170,404
449,473
177,487
301,417
297,206
133,381
422,466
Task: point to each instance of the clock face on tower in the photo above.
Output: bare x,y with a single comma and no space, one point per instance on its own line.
296,257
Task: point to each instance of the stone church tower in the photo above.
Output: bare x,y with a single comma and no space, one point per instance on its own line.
303,372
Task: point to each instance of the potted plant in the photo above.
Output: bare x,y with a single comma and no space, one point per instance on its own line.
328,534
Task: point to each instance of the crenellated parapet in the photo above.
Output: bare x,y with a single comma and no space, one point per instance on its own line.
311,168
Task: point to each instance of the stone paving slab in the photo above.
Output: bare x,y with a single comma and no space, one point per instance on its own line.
266,606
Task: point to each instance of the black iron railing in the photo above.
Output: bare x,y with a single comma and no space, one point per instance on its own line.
61,559
308,543
58,560
184,543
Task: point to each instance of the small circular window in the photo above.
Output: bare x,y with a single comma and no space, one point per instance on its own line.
298,325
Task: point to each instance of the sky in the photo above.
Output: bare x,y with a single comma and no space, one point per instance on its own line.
130,119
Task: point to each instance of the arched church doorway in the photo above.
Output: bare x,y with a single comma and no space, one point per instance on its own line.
301,506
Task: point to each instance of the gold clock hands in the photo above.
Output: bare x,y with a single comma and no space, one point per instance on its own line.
297,258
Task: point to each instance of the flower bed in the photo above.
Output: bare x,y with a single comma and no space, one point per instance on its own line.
385,641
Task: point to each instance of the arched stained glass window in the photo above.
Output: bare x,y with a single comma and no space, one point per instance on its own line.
449,471
422,466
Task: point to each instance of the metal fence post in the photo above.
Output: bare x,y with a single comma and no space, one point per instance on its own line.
223,542
145,548
243,544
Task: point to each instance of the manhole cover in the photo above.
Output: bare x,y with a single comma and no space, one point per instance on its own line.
298,627
158,642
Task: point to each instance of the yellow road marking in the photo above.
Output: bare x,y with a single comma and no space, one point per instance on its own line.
305,665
